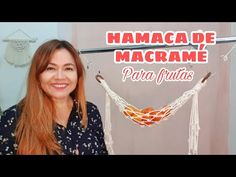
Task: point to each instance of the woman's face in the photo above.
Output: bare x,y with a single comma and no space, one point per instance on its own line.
59,79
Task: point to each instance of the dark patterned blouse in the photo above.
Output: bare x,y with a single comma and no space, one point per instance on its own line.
74,139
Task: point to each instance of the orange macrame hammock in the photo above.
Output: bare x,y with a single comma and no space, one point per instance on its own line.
148,116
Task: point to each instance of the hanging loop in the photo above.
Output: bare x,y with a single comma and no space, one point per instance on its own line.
206,77
99,77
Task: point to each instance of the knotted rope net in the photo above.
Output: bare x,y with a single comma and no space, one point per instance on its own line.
148,116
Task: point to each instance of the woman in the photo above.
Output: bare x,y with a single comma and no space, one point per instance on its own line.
53,117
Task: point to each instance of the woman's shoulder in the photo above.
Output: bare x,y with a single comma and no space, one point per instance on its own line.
91,106
93,109
9,116
93,113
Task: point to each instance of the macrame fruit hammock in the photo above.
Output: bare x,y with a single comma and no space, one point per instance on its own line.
148,116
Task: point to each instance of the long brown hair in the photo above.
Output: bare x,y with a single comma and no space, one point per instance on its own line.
34,130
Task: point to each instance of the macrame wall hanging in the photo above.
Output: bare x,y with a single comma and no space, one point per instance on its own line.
18,51
149,116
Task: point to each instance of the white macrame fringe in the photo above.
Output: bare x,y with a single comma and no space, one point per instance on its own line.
194,127
18,52
107,127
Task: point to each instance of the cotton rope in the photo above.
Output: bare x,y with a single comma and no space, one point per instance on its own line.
107,127
149,116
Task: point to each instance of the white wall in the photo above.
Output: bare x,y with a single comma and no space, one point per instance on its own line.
232,122
12,79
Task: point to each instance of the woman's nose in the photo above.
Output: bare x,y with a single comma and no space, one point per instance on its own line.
60,74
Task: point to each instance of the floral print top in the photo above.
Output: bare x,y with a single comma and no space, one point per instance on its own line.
74,139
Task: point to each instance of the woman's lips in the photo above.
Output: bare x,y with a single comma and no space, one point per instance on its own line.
60,86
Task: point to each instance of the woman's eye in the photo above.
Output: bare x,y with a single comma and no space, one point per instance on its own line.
50,68
69,69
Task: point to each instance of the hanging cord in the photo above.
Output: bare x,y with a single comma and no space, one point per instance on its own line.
225,57
194,126
107,126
